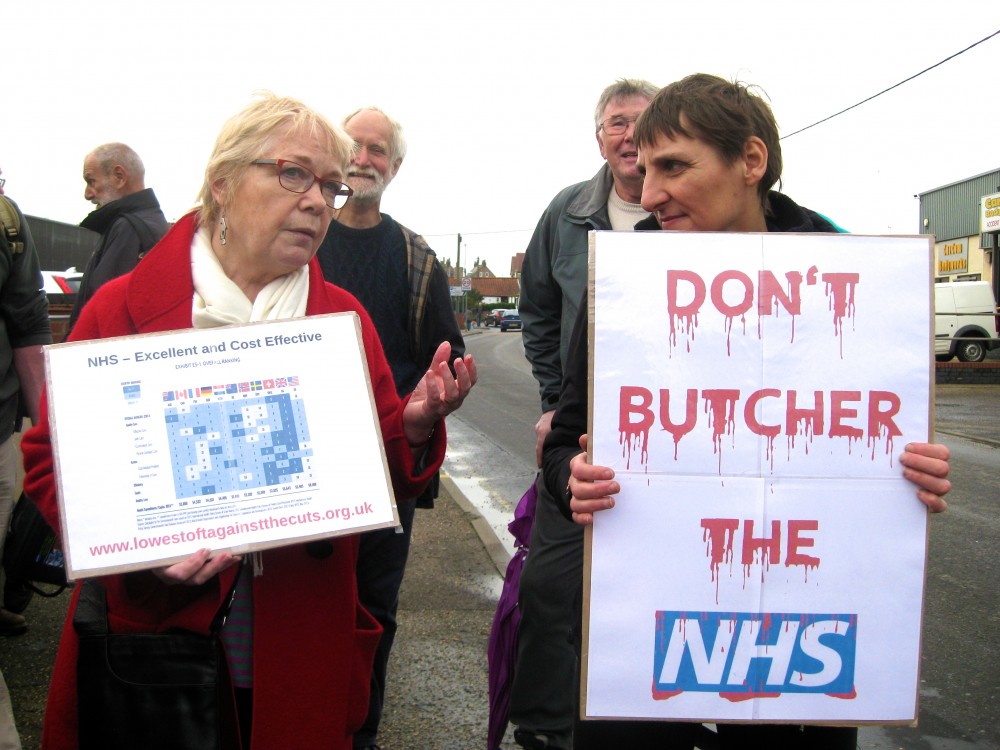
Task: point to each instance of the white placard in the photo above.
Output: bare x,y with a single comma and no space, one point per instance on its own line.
765,560
237,438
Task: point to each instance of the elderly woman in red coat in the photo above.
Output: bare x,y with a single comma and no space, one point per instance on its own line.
302,661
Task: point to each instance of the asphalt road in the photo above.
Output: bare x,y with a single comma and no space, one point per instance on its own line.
960,672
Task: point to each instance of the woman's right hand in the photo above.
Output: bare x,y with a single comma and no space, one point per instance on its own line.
591,487
197,569
437,394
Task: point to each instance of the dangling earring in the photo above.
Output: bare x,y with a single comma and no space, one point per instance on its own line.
222,234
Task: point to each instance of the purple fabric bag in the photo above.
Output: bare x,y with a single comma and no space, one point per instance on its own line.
501,653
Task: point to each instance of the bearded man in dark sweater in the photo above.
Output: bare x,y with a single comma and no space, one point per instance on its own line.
396,276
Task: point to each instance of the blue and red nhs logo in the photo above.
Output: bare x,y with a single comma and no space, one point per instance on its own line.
743,655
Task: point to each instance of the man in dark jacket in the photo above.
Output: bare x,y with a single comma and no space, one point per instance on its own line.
396,276
128,217
554,276
24,329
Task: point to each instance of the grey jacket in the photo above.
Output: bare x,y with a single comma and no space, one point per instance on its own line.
554,277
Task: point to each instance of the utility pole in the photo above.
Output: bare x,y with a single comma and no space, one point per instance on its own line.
459,306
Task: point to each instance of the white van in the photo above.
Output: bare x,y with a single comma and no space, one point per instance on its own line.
966,324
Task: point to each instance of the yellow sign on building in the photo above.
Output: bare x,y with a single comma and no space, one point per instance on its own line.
953,257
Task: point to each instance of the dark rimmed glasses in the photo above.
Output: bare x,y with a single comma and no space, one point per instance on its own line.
298,179
617,125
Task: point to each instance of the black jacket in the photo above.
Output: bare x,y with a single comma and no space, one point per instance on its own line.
24,316
129,227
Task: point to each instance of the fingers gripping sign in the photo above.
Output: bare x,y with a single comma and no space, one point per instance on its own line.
926,465
591,487
199,568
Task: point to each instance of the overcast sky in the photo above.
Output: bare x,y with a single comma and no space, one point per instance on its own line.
497,98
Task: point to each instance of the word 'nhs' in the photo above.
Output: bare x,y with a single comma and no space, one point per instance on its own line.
743,655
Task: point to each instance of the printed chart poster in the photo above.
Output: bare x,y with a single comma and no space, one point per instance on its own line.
765,560
238,438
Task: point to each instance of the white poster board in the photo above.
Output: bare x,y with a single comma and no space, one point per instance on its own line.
238,438
765,560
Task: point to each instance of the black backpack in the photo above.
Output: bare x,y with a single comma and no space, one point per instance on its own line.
31,554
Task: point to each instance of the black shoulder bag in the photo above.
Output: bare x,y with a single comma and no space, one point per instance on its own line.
156,691
147,238
31,553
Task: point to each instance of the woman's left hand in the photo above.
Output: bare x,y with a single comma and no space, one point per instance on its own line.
926,465
437,394
592,488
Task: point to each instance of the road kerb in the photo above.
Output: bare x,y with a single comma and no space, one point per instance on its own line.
494,547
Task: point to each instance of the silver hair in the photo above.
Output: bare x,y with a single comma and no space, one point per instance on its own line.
246,135
110,154
623,89
397,143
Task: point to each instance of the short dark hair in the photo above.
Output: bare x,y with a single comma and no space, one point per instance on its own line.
721,113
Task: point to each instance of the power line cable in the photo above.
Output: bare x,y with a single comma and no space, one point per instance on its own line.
873,96
495,231
796,132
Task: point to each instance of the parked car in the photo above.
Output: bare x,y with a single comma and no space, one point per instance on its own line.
61,287
510,322
966,324
494,318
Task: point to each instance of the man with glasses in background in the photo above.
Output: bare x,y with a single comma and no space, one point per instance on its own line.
396,276
554,276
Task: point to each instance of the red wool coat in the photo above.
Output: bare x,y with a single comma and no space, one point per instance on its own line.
313,642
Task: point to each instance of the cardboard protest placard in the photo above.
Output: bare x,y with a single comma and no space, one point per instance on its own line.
765,560
237,438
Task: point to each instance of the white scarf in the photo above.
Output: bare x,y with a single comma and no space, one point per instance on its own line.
218,301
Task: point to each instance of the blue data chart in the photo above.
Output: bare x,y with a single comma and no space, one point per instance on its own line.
236,441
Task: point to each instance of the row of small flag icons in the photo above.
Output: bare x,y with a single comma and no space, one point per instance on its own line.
246,386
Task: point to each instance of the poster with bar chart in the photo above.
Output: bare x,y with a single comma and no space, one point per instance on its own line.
238,438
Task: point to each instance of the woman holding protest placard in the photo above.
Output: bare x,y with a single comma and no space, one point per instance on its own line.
298,644
710,154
